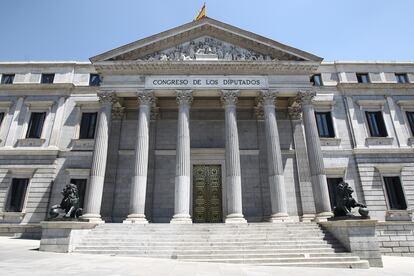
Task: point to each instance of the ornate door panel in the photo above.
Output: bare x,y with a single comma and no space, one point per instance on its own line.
207,193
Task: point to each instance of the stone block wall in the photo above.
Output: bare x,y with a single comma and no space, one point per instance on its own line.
396,238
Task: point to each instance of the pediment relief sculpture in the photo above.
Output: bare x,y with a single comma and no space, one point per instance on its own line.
207,48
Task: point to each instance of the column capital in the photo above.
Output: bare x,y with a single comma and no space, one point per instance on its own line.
268,97
118,112
184,97
107,97
229,97
306,96
295,110
146,97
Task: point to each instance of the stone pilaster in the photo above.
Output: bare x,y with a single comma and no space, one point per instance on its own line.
182,165
233,172
95,188
274,158
315,156
139,180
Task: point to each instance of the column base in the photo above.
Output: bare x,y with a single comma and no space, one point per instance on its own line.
235,218
323,216
136,218
307,217
181,219
94,218
280,217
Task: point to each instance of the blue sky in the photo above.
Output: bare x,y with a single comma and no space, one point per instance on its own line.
332,29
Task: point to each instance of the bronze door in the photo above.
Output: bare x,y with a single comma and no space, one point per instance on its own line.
207,194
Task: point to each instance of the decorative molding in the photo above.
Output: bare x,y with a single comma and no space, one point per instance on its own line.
184,97
206,67
82,144
391,168
229,97
406,103
371,103
38,104
330,142
379,141
30,142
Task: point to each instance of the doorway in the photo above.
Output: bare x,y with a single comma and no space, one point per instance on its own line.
207,194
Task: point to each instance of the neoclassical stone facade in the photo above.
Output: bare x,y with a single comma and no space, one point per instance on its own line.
206,123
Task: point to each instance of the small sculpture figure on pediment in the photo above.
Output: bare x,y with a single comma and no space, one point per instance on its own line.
163,57
345,202
69,203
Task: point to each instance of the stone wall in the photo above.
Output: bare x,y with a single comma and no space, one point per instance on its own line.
396,238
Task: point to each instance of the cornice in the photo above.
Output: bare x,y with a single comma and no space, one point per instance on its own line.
382,85
207,67
36,86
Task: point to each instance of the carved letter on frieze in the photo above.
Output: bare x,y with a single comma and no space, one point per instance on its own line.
229,97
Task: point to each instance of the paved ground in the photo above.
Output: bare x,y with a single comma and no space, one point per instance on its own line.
21,257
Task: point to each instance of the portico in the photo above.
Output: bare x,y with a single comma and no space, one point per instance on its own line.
209,88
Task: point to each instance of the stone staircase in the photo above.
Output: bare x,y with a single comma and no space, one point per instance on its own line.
284,244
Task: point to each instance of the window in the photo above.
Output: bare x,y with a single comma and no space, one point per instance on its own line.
35,127
325,125
81,184
362,78
87,126
410,117
94,80
47,78
7,79
376,124
332,187
401,77
17,195
395,194
316,80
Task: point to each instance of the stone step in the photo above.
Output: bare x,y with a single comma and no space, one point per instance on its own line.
219,246
362,264
209,250
274,260
197,240
293,244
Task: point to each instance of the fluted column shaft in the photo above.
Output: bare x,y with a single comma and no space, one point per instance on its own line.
317,168
139,180
232,156
183,166
274,159
95,188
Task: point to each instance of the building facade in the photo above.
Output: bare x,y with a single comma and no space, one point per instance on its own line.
206,123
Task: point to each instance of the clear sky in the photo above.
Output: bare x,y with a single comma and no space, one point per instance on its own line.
332,29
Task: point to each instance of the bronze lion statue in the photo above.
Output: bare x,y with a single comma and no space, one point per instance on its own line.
345,202
69,203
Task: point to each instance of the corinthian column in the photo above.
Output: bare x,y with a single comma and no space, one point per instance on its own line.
274,159
182,164
139,180
95,188
233,172
315,156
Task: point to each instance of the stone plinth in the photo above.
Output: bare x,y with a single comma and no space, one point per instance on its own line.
63,236
358,236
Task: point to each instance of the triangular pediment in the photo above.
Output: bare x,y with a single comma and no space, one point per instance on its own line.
205,39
